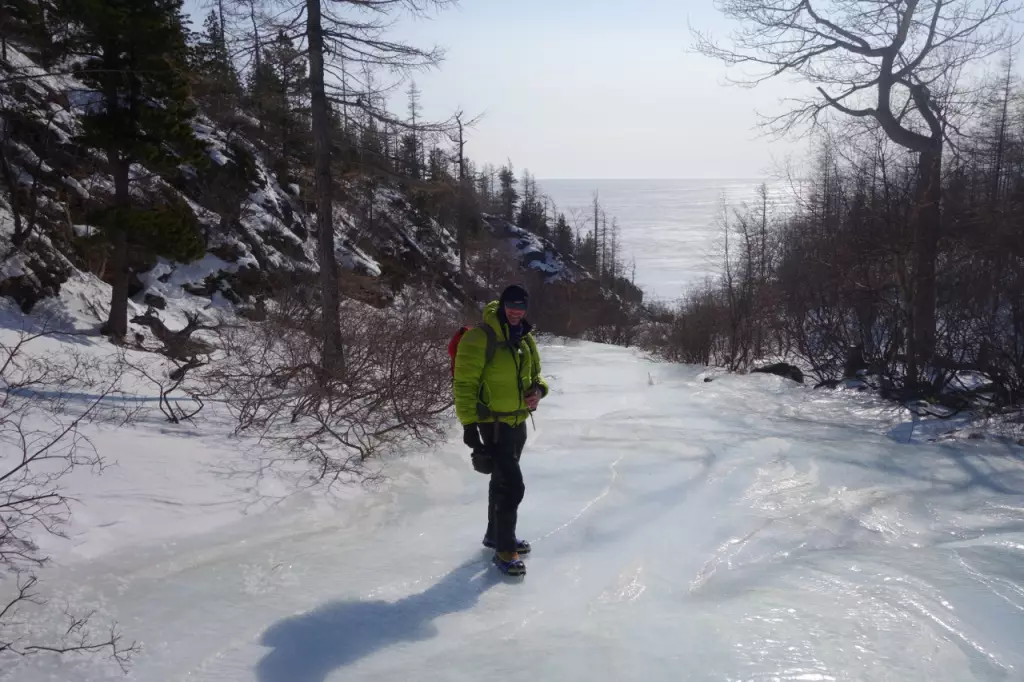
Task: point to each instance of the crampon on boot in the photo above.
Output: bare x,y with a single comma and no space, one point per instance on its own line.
509,563
522,546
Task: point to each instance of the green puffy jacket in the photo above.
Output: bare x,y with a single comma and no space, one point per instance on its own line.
497,391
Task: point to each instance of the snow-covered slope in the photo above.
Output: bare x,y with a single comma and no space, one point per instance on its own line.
258,233
742,529
536,253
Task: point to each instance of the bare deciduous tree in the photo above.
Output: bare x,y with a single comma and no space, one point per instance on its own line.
467,210
897,63
395,388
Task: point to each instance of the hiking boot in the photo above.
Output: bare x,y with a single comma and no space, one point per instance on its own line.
522,546
509,563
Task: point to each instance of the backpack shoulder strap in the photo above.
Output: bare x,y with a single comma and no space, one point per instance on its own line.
534,353
492,341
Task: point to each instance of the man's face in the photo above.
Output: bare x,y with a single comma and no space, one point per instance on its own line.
514,312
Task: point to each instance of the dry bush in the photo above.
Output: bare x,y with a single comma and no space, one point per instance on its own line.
45,400
828,286
695,332
394,388
181,397
616,322
581,310
181,354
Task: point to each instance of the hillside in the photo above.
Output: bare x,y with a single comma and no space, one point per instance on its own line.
257,234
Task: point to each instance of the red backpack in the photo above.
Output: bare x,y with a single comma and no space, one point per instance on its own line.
492,343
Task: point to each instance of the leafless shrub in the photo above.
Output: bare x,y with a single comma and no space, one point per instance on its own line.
616,323
830,292
736,318
178,344
695,332
395,387
44,403
185,354
191,401
582,309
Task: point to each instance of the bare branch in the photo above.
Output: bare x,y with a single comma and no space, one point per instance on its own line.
44,403
392,392
862,46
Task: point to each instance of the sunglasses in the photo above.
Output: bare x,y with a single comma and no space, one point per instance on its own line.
515,305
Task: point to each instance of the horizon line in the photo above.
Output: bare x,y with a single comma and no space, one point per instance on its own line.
750,177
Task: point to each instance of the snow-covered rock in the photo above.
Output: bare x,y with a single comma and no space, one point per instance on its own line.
537,253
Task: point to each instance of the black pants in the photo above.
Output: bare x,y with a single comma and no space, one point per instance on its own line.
507,489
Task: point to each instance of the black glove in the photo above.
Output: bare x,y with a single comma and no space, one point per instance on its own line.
481,457
482,461
471,437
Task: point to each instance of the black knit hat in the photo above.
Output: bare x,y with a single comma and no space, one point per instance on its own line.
515,293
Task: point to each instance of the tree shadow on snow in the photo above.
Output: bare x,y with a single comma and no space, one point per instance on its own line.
968,470
50,317
307,647
608,524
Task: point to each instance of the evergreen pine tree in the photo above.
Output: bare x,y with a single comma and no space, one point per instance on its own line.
134,54
530,209
485,188
563,236
216,85
412,146
279,88
508,196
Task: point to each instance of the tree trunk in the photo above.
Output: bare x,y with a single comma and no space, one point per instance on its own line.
116,325
220,17
12,188
3,31
462,218
257,48
333,358
926,248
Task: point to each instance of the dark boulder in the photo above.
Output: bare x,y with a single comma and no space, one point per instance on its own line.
784,370
155,300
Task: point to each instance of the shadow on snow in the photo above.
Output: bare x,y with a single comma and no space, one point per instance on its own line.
307,647
50,317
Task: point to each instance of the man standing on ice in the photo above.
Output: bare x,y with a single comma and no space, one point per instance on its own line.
493,400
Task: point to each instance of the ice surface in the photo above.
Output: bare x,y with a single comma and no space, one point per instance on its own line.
743,529
671,227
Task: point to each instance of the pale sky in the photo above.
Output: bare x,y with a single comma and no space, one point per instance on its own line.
595,89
